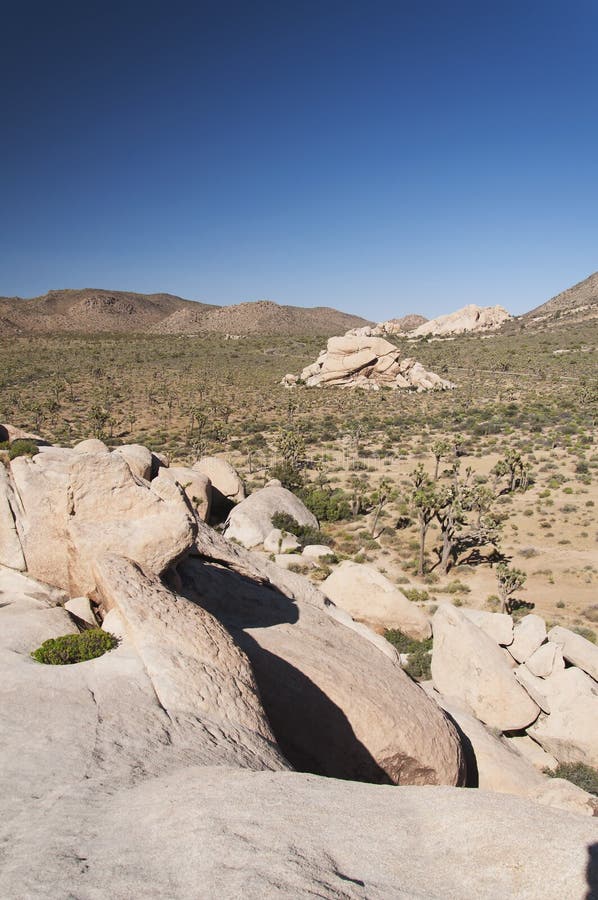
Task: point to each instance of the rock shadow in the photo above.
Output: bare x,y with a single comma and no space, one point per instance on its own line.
592,873
313,732
236,600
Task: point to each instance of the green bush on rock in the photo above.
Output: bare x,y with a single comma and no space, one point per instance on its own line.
75,648
583,776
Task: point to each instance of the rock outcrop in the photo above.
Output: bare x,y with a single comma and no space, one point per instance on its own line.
470,318
73,506
370,363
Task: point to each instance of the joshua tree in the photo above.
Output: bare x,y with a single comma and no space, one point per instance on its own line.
509,581
439,449
382,496
423,501
514,467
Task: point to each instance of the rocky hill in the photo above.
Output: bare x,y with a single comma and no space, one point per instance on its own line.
469,319
577,304
89,310
260,317
94,311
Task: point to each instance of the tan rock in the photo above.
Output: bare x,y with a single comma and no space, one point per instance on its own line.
470,667
368,595
139,459
196,485
545,660
337,705
250,521
11,552
470,318
570,732
81,608
532,752
576,649
529,634
537,688
196,669
91,445
498,626
278,541
225,479
317,551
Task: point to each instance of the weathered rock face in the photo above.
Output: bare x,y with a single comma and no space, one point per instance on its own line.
250,522
11,552
470,318
576,649
196,485
368,362
278,541
337,705
74,506
570,732
225,480
545,660
469,666
528,636
139,459
367,595
497,766
197,671
498,626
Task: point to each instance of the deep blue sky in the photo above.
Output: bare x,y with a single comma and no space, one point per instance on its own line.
379,157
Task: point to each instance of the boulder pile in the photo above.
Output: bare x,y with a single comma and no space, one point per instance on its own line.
369,363
203,735
469,319
539,689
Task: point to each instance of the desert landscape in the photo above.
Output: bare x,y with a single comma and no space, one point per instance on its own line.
379,567
299,451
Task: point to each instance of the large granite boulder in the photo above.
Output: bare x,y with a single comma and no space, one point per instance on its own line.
570,730
337,704
11,552
73,507
197,487
369,596
576,649
226,483
139,459
468,665
250,522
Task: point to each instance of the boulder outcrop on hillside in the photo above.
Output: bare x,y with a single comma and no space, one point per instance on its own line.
72,506
367,362
470,318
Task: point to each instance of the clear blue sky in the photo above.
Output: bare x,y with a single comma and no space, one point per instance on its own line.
379,157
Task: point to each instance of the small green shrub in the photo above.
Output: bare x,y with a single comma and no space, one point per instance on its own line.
20,447
585,777
415,595
419,652
75,648
456,587
586,633
305,534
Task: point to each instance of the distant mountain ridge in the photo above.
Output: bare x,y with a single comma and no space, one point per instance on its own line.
94,310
